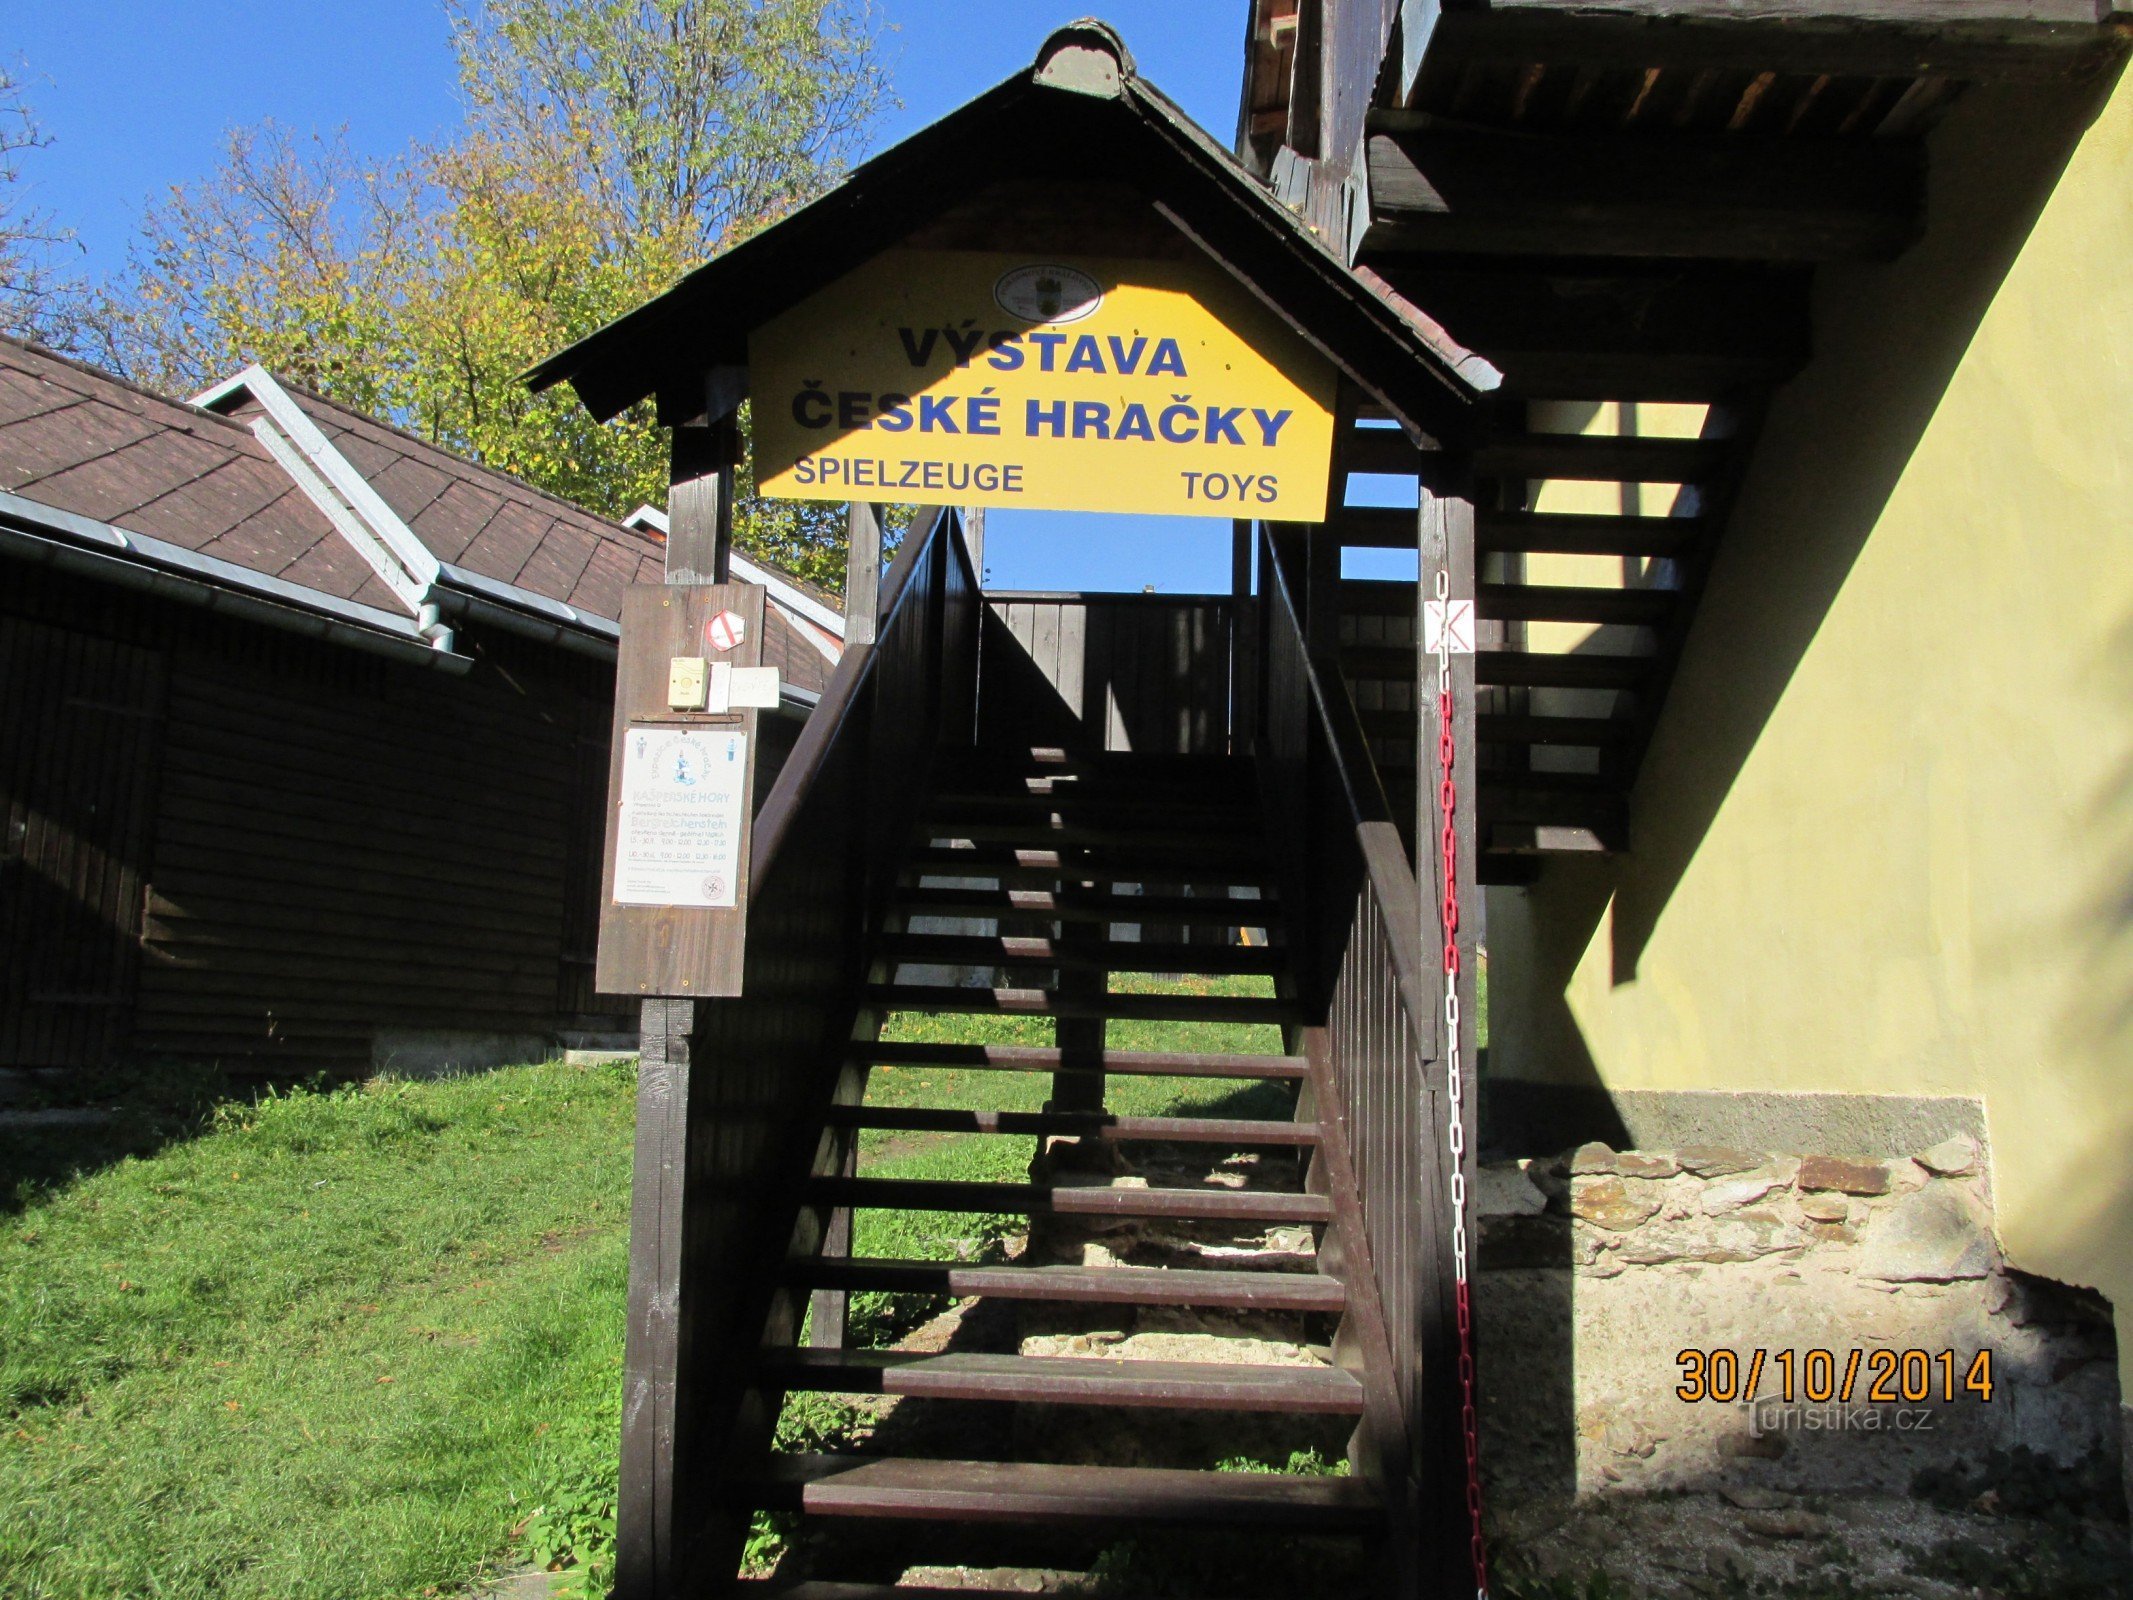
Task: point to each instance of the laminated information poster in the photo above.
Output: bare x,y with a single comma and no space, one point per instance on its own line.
684,805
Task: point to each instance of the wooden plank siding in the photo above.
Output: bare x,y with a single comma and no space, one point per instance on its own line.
1145,673
77,773
296,844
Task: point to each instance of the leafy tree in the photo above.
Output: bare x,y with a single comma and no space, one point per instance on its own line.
38,298
609,146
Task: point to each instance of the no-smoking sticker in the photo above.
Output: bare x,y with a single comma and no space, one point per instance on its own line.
725,631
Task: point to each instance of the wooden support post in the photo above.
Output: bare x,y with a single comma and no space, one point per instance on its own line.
648,1535
862,574
830,1310
1322,588
700,502
1446,529
974,541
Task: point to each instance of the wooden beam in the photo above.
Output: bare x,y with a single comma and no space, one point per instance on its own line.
862,573
700,502
1606,458
1444,189
1558,533
1982,41
1691,332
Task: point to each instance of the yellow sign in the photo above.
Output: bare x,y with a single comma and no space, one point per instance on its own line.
1055,383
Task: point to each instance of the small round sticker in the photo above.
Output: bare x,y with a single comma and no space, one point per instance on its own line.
1047,294
725,631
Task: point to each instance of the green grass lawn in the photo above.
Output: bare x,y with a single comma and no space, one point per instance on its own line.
336,1344
367,1343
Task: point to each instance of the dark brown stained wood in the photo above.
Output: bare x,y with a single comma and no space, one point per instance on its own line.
1039,1058
1555,800
1978,40
1512,532
78,749
762,1067
1256,910
1041,868
1014,1491
1518,668
1240,1131
1103,672
1056,837
1442,189
1604,457
977,950
1073,1381
1534,602
675,950
1139,1286
1045,1002
1502,727
1029,1199
1569,332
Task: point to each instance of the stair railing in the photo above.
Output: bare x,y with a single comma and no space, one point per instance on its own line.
746,1082
1376,1073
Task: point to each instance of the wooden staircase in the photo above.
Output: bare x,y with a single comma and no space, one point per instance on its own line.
1071,853
1230,1186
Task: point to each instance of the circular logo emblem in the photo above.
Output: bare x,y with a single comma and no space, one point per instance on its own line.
1047,294
725,630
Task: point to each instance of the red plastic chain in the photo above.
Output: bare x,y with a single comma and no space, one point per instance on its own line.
1448,847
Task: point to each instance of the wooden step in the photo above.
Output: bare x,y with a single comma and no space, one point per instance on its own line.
824,1589
1210,861
1565,533
1540,602
1512,668
1068,1380
1600,457
940,997
1606,458
1242,1132
1066,801
1212,839
1033,1199
1031,1492
1049,905
977,950
1043,1058
1262,1290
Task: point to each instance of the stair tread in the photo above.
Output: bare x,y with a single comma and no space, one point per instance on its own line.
1022,1491
939,997
1045,1058
1069,1380
1242,1131
1015,950
1259,1289
945,1194
1224,911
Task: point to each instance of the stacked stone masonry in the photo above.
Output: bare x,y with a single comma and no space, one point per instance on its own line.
1600,1268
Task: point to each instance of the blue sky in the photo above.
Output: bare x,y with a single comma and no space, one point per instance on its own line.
138,96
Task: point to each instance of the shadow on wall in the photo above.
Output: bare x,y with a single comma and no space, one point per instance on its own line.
1887,341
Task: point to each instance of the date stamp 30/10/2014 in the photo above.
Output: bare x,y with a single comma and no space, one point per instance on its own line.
1821,1377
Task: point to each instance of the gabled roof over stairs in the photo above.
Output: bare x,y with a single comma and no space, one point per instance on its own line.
1080,115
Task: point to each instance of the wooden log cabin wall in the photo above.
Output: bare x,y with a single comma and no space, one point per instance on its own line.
266,803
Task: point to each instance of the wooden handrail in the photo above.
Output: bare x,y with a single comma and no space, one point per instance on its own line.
846,688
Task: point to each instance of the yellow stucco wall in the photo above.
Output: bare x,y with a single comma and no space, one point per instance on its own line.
1884,841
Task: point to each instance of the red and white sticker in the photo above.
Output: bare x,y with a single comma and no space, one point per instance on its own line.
725,631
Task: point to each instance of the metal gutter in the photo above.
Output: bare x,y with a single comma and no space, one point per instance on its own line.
72,543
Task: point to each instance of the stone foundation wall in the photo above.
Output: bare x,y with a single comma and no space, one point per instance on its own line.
1598,1268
